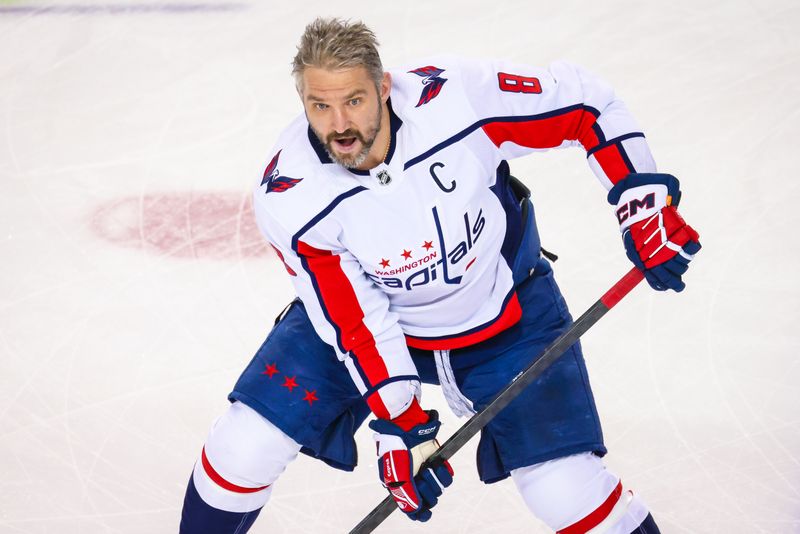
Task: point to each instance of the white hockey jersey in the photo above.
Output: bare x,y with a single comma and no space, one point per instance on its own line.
411,253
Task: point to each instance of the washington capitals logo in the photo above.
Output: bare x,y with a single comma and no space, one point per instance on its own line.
432,83
274,182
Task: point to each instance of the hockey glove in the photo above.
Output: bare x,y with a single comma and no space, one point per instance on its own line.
657,239
402,453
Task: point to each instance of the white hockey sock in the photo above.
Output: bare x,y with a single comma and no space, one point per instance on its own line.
243,455
577,495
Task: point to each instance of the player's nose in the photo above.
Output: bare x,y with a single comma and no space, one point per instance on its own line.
340,120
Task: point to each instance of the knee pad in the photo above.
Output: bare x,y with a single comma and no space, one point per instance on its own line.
243,455
577,495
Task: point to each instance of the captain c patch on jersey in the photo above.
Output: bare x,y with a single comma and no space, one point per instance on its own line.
275,182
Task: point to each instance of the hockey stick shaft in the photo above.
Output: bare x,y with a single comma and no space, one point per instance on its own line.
511,391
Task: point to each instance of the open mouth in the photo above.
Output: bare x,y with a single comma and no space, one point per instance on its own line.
345,144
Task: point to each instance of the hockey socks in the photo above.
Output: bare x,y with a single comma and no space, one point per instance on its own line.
577,495
198,517
648,526
232,481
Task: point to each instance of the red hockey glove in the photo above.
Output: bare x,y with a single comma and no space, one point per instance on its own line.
657,239
402,453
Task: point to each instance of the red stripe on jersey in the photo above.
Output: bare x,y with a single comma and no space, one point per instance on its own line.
612,163
280,255
221,482
413,416
340,302
376,406
509,317
547,132
595,518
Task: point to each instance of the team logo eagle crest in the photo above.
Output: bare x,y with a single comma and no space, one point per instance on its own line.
432,83
275,182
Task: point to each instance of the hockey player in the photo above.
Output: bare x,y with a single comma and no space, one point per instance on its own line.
416,258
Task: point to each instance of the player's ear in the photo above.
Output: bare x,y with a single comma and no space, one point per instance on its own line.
386,86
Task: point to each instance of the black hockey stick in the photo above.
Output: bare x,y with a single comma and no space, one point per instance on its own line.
511,391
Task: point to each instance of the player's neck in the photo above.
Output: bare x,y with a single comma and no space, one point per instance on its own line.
380,148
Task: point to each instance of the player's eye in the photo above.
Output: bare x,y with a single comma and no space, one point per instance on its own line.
355,101
320,106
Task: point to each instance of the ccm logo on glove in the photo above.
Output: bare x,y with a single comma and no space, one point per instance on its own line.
414,485
632,207
657,239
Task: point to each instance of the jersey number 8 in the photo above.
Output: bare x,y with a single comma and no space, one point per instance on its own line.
513,83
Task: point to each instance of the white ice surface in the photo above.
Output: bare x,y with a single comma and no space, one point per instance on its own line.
133,289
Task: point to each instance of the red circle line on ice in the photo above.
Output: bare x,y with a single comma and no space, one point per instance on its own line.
202,225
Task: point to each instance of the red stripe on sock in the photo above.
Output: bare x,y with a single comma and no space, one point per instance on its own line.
221,482
595,518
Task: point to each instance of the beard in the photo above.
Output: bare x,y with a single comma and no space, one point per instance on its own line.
367,139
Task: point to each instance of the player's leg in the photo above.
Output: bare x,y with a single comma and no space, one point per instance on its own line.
232,480
577,494
295,395
555,419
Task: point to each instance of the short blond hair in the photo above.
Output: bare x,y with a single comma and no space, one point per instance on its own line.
335,43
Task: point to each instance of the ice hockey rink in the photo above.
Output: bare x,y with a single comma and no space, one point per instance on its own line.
134,286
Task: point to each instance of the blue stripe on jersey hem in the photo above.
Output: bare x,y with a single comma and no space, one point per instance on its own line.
475,329
304,262
382,383
616,140
479,124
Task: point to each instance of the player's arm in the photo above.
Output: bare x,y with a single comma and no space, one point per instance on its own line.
349,313
523,109
405,435
352,314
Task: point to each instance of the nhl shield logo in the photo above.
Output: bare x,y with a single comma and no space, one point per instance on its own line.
384,178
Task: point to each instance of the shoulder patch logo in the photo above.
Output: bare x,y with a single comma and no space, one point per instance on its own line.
275,182
432,83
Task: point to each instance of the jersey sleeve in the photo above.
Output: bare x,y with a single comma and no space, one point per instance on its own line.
348,312
523,109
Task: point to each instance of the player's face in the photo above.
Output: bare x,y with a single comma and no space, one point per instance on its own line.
344,110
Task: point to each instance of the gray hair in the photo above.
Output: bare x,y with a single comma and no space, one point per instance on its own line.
337,44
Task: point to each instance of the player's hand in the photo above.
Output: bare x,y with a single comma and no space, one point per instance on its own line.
657,239
401,455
